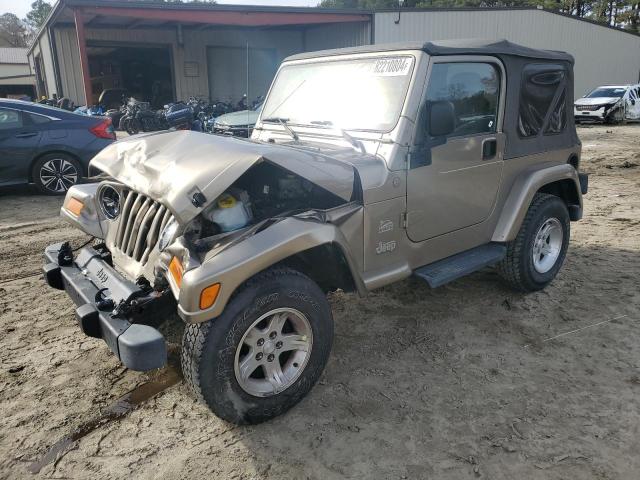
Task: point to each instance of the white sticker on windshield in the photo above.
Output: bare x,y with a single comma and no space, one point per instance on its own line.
392,67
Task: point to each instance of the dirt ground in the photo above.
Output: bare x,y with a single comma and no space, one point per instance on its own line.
465,381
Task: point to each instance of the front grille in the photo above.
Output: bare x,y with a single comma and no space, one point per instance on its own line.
141,221
590,108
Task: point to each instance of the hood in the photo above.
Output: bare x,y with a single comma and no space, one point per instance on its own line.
235,119
597,100
170,167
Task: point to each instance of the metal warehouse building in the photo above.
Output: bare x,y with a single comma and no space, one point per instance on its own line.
173,51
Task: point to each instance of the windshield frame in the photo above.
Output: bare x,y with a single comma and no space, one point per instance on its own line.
342,58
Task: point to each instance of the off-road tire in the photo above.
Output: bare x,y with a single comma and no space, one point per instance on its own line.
56,161
517,267
209,348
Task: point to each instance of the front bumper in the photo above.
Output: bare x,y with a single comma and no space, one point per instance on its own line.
594,115
100,291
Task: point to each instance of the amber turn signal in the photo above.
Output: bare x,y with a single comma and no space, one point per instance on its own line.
75,206
208,296
175,268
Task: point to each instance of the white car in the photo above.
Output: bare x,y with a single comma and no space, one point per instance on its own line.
609,104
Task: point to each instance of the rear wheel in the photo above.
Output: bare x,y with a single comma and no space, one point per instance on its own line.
265,352
55,173
536,255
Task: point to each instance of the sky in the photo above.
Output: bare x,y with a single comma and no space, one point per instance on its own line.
21,7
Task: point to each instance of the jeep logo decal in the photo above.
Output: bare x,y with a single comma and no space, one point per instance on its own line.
102,276
384,247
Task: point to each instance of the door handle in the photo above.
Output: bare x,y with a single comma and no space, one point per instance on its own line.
489,148
26,135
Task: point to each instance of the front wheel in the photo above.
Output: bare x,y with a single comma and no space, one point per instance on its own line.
265,352
536,255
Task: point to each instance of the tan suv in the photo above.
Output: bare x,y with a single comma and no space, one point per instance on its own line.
367,165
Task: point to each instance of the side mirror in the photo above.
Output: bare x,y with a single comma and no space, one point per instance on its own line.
633,102
442,118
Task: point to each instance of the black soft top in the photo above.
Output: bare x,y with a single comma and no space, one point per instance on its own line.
472,46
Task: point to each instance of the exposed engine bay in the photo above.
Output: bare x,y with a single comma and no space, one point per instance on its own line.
266,191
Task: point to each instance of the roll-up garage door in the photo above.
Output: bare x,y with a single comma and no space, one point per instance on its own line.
227,68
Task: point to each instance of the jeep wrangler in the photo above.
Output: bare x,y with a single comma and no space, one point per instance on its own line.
367,165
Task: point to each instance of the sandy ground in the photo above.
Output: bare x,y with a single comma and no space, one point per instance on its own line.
459,382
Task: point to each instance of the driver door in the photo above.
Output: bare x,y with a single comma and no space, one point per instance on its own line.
453,179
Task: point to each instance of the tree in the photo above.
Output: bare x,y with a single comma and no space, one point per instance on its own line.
38,14
12,32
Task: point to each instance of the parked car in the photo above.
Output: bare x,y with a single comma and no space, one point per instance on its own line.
47,146
238,124
367,165
609,104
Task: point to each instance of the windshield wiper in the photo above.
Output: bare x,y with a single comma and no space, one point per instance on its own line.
353,141
283,122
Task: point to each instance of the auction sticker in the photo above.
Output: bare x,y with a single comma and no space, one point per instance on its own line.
392,66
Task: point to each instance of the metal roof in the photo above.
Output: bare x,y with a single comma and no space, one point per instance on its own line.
13,55
472,46
141,9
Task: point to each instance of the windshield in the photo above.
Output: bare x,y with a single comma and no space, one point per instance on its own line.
607,92
358,94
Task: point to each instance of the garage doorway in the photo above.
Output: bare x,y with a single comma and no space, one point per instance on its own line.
143,72
228,76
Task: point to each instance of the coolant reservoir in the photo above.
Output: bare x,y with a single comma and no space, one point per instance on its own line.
229,212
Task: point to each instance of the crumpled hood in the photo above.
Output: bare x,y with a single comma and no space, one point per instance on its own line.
170,166
597,101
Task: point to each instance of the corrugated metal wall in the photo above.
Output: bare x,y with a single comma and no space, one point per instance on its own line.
337,35
603,55
69,65
194,49
43,49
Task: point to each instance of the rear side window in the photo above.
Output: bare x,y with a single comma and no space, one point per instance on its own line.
10,119
543,100
474,91
38,119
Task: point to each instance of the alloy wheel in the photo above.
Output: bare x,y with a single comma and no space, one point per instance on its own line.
58,175
547,245
273,352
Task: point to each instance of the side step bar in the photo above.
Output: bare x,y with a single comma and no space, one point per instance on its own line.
461,264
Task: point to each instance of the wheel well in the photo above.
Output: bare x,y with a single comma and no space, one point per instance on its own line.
566,190
326,265
75,157
574,161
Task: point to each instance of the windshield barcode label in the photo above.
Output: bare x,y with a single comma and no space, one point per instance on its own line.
391,67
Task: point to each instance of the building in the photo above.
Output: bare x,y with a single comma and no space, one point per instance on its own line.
16,80
166,51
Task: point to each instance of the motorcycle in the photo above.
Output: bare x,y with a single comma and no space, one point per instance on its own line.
138,117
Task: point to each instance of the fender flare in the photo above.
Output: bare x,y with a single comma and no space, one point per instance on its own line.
252,255
526,185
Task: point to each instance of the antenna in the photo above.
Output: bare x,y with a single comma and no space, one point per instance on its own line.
247,100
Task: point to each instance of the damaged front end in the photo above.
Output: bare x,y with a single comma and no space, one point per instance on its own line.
193,243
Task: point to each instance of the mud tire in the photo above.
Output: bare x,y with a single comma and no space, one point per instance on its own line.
209,348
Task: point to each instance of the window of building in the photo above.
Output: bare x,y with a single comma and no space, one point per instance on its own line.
474,91
542,100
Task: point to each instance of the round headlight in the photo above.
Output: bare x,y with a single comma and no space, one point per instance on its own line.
109,201
168,234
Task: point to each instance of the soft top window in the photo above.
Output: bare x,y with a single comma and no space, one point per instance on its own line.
542,100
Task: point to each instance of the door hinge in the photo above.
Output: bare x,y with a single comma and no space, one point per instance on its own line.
404,220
